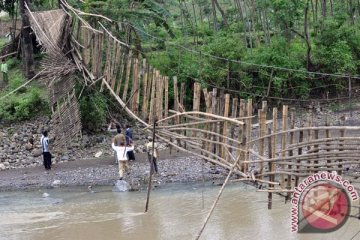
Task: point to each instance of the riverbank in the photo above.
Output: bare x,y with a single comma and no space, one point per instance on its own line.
175,167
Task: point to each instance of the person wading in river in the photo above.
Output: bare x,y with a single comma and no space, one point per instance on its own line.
45,150
121,151
149,149
119,138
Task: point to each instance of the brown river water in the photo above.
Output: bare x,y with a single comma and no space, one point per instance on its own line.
175,212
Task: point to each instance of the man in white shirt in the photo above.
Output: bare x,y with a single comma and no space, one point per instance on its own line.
45,150
150,151
121,151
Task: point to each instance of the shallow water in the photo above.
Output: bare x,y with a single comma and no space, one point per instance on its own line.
175,212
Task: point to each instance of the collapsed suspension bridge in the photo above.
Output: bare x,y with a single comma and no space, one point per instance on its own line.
269,147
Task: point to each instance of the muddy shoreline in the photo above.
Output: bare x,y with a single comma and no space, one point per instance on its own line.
176,167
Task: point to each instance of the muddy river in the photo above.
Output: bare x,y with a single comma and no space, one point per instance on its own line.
175,212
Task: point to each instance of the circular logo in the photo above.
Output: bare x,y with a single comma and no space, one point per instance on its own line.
325,207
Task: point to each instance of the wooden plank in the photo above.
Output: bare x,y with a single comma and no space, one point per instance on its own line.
196,101
272,152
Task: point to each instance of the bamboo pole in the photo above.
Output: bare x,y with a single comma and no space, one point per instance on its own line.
327,133
248,134
225,125
342,134
207,97
135,86
121,72
316,147
152,98
145,87
242,133
291,141
196,101
262,132
283,141
217,199
234,108
301,138
166,106
127,77
270,184
213,110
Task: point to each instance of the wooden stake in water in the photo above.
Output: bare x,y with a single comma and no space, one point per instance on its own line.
150,173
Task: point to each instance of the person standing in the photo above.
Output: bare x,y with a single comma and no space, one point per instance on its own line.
121,151
128,135
153,154
4,70
45,150
117,140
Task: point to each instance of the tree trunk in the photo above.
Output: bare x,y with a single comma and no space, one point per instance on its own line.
221,12
214,15
26,43
307,37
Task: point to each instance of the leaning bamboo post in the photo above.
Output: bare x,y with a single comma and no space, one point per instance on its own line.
270,186
100,54
161,96
291,141
242,134
127,77
301,139
225,125
182,104
262,132
248,133
166,106
121,72
207,97
217,199
327,135
152,98
272,151
115,66
213,110
135,86
283,142
196,101
342,134
316,147
234,108
145,87
148,92
94,50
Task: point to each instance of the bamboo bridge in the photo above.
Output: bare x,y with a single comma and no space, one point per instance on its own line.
266,147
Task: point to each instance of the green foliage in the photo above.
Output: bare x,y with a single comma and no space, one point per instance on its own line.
26,103
93,109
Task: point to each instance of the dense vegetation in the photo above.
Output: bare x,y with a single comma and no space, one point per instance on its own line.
194,39
259,49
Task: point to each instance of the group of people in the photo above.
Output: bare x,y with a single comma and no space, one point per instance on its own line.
123,146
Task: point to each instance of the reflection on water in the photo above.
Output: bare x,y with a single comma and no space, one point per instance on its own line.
175,212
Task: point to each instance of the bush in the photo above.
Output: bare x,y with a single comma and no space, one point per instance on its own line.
93,109
22,106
